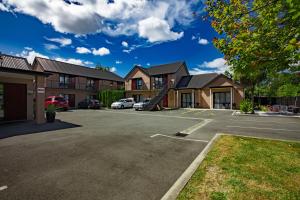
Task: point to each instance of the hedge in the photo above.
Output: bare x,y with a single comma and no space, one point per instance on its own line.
107,97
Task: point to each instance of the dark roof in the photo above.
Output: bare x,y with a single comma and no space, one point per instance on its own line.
72,69
159,69
164,69
196,81
14,62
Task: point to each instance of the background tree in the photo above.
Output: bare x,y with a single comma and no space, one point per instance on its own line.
259,38
102,68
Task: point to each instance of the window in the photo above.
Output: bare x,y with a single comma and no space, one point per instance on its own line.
59,99
90,83
186,100
158,82
64,80
139,84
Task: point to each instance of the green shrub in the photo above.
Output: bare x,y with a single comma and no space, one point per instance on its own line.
107,97
51,108
263,108
246,106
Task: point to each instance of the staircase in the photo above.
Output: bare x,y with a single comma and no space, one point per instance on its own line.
155,101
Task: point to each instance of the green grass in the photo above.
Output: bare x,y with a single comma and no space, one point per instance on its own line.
247,168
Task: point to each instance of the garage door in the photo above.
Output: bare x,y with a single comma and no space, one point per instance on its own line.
15,102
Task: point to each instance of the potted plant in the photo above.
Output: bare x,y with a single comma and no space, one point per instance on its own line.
50,113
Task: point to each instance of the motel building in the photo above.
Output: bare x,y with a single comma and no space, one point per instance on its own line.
22,90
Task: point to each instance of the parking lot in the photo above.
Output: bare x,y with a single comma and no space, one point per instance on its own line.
117,154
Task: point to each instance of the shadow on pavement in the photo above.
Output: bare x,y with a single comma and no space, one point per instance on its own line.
23,128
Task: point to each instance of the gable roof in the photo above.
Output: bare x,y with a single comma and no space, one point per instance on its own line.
169,68
14,62
78,70
196,81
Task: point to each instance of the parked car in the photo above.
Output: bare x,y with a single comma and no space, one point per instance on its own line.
141,105
58,101
123,103
89,104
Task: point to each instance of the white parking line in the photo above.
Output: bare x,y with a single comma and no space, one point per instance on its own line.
259,121
196,127
154,115
178,138
273,129
3,187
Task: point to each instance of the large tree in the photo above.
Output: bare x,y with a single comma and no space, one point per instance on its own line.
259,38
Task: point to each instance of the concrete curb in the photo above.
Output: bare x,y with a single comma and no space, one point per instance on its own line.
237,113
175,189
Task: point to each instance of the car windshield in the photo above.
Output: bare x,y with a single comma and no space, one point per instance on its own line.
122,100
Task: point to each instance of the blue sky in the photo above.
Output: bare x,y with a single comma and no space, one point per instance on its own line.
117,33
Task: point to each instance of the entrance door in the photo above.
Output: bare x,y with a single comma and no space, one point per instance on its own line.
186,100
1,102
222,100
165,101
71,100
15,102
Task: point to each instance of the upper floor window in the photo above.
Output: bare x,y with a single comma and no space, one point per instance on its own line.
139,84
64,80
158,82
90,83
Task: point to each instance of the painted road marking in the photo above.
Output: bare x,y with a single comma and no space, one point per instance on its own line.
273,129
259,121
3,187
178,138
192,129
143,114
189,111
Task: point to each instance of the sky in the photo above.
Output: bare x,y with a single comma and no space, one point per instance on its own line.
112,33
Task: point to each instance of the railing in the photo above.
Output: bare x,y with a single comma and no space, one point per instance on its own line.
78,86
155,101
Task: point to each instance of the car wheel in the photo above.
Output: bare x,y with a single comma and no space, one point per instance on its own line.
65,109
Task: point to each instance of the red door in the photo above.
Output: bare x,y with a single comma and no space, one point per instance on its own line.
15,102
165,101
133,84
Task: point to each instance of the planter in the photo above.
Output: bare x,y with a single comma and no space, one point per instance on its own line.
50,116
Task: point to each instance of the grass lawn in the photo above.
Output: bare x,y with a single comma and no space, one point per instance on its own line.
247,168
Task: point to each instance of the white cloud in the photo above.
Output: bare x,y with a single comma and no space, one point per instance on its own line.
148,64
101,51
51,46
113,69
157,30
108,42
118,62
82,50
30,54
126,50
62,41
203,41
93,16
194,37
74,61
217,65
124,44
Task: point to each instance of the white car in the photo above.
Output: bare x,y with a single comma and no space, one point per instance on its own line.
141,105
123,103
